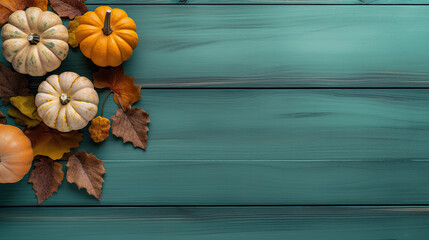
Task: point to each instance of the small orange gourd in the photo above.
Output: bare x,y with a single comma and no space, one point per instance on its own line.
16,154
107,36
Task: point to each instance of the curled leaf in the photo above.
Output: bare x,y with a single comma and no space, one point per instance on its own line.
99,129
12,83
86,171
2,118
69,8
131,126
126,92
72,32
50,142
24,111
7,7
46,177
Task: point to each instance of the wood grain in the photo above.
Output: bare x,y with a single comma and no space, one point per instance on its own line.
252,223
257,2
264,147
242,183
239,46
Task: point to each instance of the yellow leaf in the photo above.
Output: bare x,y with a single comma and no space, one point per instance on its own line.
21,119
24,111
72,32
50,142
99,129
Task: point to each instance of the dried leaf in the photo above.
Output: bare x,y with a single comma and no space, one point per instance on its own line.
7,7
52,143
86,171
72,32
69,8
99,129
2,118
24,111
12,84
123,86
46,177
131,126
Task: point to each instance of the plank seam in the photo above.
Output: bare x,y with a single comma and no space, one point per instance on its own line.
218,206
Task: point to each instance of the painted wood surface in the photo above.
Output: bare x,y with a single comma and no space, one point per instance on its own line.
243,2
238,46
230,146
202,223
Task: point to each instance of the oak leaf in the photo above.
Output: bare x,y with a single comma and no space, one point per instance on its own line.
24,111
69,8
99,129
7,7
72,32
131,126
86,171
126,92
12,84
46,177
50,142
2,118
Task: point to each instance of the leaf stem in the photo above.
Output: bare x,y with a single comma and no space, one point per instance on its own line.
123,109
104,102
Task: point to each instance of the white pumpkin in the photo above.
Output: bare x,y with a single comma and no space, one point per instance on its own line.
67,101
34,41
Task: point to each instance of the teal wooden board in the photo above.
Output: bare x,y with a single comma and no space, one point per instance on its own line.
240,46
285,2
209,124
210,146
250,223
243,183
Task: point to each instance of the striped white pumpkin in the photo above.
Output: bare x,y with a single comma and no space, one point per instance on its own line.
67,101
34,41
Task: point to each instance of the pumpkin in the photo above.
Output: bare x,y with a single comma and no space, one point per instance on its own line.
107,36
16,154
34,41
67,101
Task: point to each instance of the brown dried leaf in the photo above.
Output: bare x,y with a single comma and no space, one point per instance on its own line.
69,8
99,129
50,142
46,177
7,7
86,171
72,32
2,118
126,92
131,126
12,84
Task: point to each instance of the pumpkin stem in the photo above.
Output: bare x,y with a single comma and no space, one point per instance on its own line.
33,38
107,29
64,99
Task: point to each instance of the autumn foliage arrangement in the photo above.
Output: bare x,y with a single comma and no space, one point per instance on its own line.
53,120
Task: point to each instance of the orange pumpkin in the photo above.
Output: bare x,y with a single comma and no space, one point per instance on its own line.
16,154
107,36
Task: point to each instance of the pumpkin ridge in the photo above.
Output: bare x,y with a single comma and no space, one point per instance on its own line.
20,50
71,86
120,45
53,87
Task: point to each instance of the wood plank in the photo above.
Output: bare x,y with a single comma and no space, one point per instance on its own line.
294,223
243,183
243,2
238,46
265,147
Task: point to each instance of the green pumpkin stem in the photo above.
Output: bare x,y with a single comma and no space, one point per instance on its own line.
107,29
33,38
